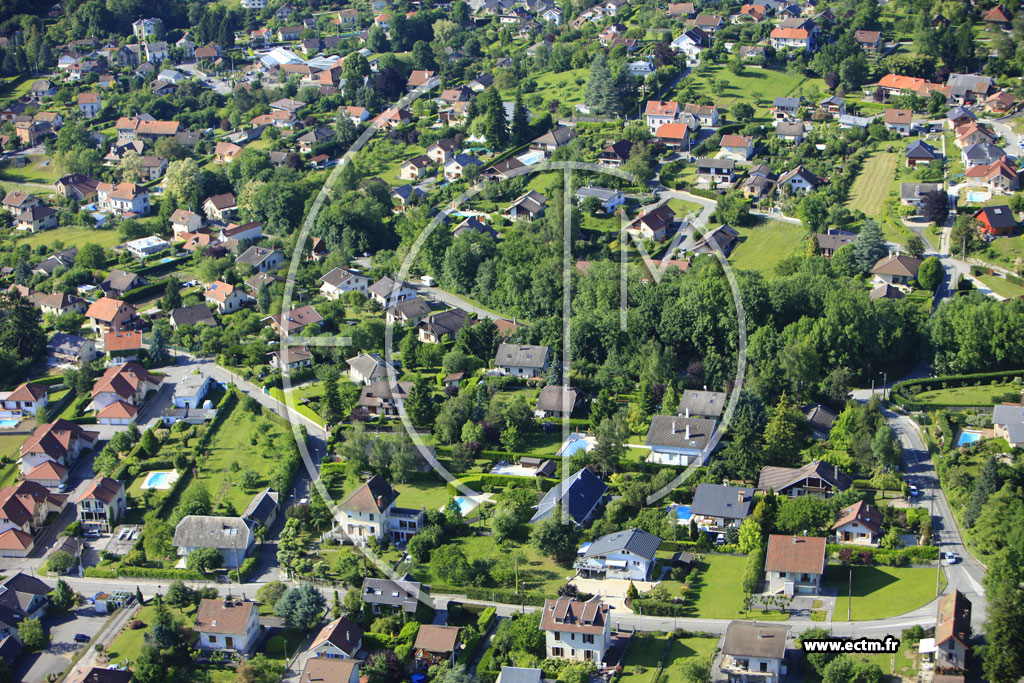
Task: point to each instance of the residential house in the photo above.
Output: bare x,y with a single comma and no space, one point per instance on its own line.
227,624
191,389
340,639
737,147
753,652
717,506
357,115
608,199
658,113
791,37
527,206
101,504
394,117
996,220
795,564
913,194
759,183
143,29
76,186
860,524
367,368
799,181
119,282
953,633
456,166
834,240
679,441
1001,103
999,176
833,105
898,120
414,168
263,508
226,152
790,131
146,246
521,360
996,19
221,207
786,108
981,154
185,223
111,315
366,512
156,52
16,202
920,152
419,78
291,358
691,43
71,349
408,312
27,505
128,382
580,496
288,33
896,269
615,154
446,324
89,104
576,630
707,115
388,596
702,403
442,150
261,259
973,134
340,281
969,88
556,401
717,240
320,134
435,645
712,172
709,23
127,200
553,139
322,669
673,135
870,41
388,291
503,170
25,400
295,320
1008,423
225,297
625,554
959,116
816,478
39,217
122,346
380,399
230,535
198,314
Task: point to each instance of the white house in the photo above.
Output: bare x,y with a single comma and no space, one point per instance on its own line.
341,281
953,632
859,523
675,440
753,652
184,223
101,504
227,298
576,630
230,535
795,564
364,513
659,113
123,199
190,391
26,399
610,199
367,368
623,555
340,639
388,292
227,624
522,360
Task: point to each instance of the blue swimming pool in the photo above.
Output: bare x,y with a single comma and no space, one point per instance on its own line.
160,480
466,504
683,513
573,447
978,196
966,438
8,424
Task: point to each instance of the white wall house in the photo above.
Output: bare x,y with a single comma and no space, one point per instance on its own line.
753,652
678,441
226,624
576,630
623,555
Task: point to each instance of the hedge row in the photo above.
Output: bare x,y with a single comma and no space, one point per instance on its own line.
146,573
161,267
248,565
478,482
915,554
904,392
144,292
506,596
692,546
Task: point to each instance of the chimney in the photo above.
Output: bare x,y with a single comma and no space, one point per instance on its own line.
739,496
705,387
687,431
380,501
687,412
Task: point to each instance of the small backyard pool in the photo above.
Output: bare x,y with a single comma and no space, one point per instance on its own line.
966,438
162,480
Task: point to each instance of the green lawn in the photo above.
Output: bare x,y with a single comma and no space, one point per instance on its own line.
881,592
717,591
767,82
71,237
432,495
685,208
39,169
1002,251
129,642
766,244
558,86
872,184
645,653
980,395
1002,286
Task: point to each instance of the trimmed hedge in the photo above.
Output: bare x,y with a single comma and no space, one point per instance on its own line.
505,596
486,482
904,392
144,292
915,554
146,573
248,565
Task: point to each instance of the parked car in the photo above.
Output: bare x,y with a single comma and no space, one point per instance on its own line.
82,638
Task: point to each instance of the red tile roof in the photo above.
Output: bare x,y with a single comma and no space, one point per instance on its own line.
804,554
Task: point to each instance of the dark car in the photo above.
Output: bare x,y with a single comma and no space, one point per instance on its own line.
82,638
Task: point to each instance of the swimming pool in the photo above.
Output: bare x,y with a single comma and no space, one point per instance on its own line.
966,438
573,445
466,504
162,479
166,259
8,424
683,514
977,196
531,158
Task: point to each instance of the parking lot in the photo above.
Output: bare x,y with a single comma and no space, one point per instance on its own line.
57,657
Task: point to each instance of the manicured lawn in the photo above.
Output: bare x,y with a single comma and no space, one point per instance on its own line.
645,653
872,184
233,443
685,208
558,86
980,395
718,595
1002,251
432,495
71,237
766,244
881,592
129,642
39,169
769,83
1002,286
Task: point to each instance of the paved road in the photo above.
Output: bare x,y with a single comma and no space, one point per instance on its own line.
441,295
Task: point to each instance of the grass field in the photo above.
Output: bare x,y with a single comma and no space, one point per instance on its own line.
646,651
71,237
718,596
1002,287
39,169
872,184
558,86
1003,251
766,244
432,495
881,592
964,396
768,83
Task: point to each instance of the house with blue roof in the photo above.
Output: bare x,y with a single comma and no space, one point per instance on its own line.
581,495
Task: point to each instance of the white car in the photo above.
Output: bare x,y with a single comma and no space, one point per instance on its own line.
950,558
914,493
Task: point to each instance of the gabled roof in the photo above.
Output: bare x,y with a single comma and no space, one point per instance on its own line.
579,494
207,531
223,615
670,431
919,149
556,398
750,639
954,619
779,478
437,639
862,513
27,391
328,669
376,495
660,108
801,554
801,172
999,216
296,319
342,634
897,264
566,615
898,116
193,315
718,500
521,355
702,402
102,488
636,541
409,309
